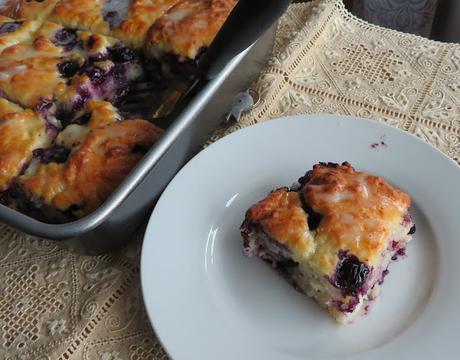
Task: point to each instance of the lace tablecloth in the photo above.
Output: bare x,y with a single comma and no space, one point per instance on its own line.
56,304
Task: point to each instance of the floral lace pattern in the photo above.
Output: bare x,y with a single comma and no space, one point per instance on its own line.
329,61
59,305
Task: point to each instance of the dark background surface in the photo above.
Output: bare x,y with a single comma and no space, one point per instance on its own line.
435,19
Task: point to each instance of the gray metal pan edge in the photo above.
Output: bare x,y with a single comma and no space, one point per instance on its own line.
116,220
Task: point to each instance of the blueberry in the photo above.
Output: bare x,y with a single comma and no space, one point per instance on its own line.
96,75
121,54
10,26
66,38
119,73
68,68
83,96
53,154
412,230
314,218
91,41
351,274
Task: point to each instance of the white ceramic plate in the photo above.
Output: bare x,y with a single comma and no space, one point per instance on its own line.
207,301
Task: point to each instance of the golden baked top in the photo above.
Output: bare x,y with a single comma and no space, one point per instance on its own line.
19,64
21,132
126,20
15,31
188,27
100,155
347,211
281,215
33,9
69,63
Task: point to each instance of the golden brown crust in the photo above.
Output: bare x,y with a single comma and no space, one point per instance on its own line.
21,132
281,215
188,27
39,61
22,34
89,43
21,63
358,210
94,169
133,31
135,17
81,14
36,10
357,213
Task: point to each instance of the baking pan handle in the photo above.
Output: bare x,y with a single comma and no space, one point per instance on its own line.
246,23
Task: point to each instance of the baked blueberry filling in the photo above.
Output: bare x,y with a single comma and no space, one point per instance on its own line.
81,99
170,65
95,74
8,27
68,68
350,274
121,54
54,154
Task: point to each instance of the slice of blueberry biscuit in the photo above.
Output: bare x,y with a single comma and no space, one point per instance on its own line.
333,238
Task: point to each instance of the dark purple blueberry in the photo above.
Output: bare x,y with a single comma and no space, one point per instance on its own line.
83,96
82,120
67,38
91,41
68,68
121,54
351,274
382,277
412,230
53,154
8,27
401,252
118,72
314,218
329,164
96,75
306,178
97,57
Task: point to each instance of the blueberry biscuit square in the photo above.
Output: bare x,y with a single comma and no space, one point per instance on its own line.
333,237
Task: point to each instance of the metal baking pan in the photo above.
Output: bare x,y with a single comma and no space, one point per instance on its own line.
115,221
